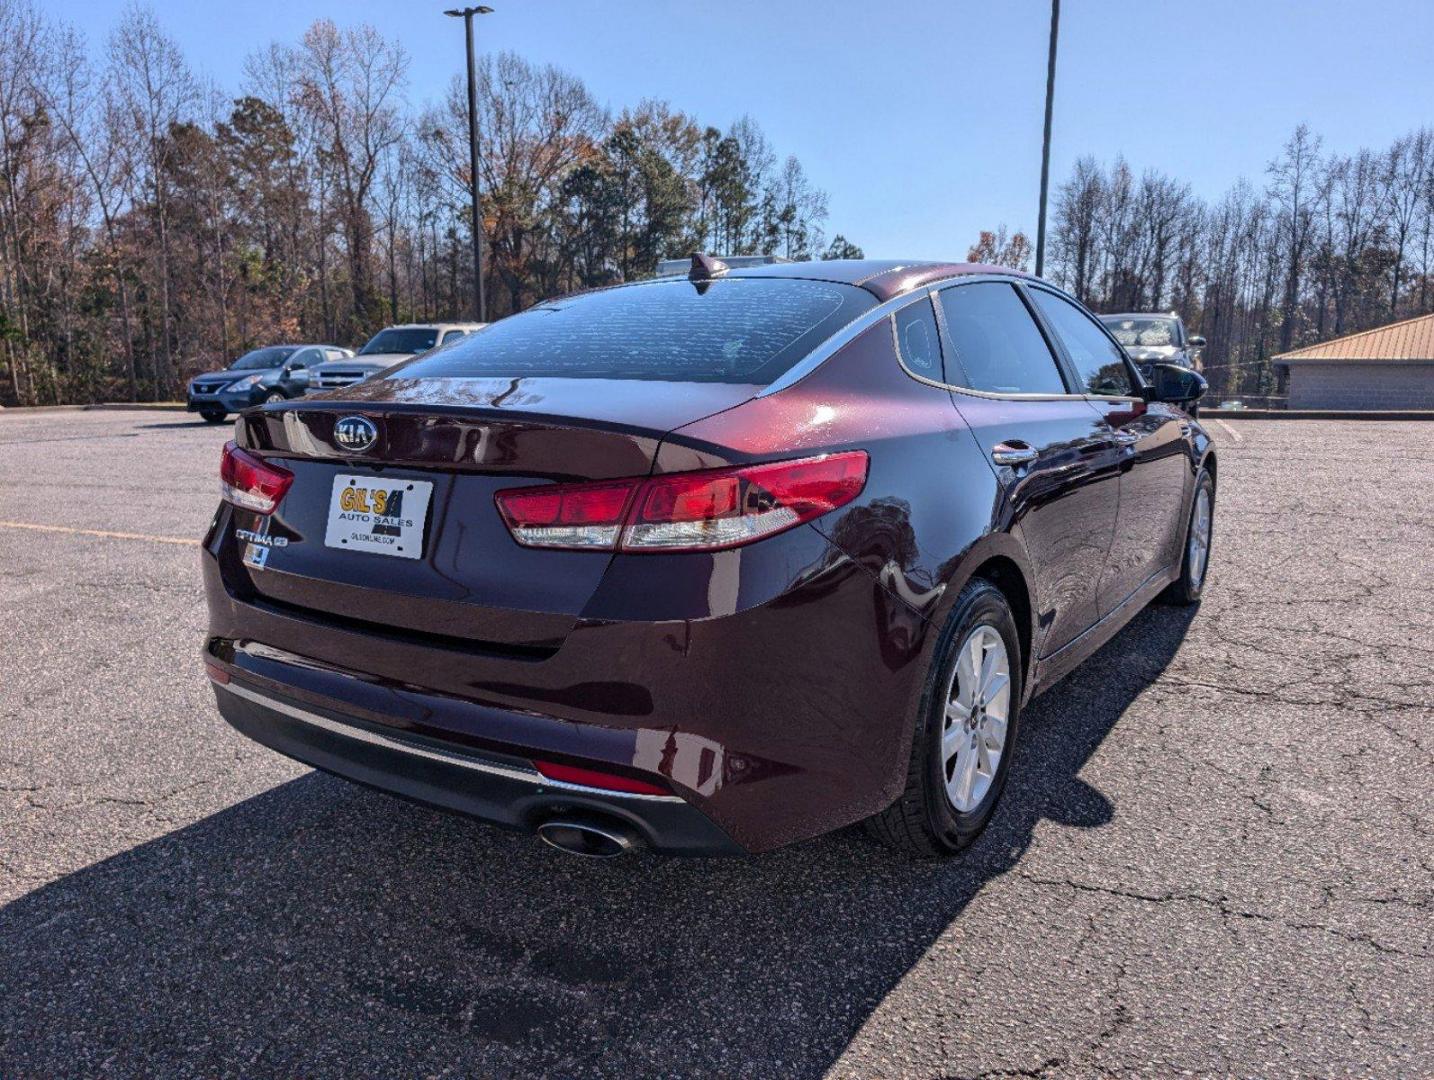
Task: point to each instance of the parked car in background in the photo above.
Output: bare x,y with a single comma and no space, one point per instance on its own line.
271,374
1148,338
746,558
1155,338
391,345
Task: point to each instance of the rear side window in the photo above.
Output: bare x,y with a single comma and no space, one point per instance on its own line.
995,345
917,339
1099,362
734,330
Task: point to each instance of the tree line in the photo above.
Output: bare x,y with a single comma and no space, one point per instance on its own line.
1329,244
153,225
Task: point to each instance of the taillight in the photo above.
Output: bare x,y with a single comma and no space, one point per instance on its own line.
729,507
696,511
572,774
567,515
251,482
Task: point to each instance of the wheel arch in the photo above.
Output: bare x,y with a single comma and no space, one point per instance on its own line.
999,559
1209,465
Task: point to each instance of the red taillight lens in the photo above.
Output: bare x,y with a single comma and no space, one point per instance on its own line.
567,515
572,774
729,507
697,511
251,482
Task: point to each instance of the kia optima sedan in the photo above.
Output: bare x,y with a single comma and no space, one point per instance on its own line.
707,564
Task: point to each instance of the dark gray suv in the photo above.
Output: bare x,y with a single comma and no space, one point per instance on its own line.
1151,336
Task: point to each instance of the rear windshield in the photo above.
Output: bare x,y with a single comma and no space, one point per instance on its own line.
272,357
407,340
736,330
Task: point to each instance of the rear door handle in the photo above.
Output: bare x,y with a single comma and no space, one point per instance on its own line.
1013,453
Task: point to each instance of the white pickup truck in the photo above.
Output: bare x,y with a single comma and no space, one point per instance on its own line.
391,345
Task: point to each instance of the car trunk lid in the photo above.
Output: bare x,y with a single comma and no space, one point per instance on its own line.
469,438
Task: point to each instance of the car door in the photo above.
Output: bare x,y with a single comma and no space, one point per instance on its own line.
295,384
1054,456
1154,462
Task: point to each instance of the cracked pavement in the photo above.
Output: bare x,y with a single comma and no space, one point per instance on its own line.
1215,855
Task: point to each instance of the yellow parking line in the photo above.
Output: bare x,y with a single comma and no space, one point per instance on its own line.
98,532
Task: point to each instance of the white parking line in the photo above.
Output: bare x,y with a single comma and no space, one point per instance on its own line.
1231,431
99,532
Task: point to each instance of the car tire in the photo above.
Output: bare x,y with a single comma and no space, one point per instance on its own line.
1186,590
274,397
927,820
211,417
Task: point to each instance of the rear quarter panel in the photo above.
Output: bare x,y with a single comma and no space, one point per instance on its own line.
923,522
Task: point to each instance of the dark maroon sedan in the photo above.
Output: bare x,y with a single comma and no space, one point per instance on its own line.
711,563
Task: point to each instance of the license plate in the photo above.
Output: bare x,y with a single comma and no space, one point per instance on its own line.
386,517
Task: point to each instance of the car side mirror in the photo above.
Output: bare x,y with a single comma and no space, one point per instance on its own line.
300,375
1175,384
1196,342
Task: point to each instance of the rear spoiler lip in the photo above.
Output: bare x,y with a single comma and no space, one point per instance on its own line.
467,439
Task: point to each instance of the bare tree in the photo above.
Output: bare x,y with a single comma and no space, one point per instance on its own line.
1407,170
1295,188
151,90
999,248
22,35
350,83
1078,207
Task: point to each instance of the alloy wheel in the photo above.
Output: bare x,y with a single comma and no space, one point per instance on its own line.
1198,547
978,701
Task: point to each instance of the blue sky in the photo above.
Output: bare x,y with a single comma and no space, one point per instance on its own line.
922,118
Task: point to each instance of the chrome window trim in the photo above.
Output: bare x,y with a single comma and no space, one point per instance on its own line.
896,337
930,294
823,352
373,738
888,309
1137,380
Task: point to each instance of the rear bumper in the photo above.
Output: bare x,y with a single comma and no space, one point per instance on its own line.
503,790
773,723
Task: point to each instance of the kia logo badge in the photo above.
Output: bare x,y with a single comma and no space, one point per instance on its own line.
355,434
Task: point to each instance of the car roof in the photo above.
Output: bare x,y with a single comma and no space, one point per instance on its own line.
297,345
430,326
884,278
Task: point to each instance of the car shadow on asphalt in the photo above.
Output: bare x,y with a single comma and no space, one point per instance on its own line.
170,425
321,929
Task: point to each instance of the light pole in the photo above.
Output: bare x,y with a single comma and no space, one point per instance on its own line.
1046,142
467,15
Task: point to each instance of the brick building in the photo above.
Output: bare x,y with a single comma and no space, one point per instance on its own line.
1391,367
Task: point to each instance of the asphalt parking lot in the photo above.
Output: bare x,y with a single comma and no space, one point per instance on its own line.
1216,854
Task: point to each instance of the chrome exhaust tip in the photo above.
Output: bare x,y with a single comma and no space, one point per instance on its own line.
592,840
